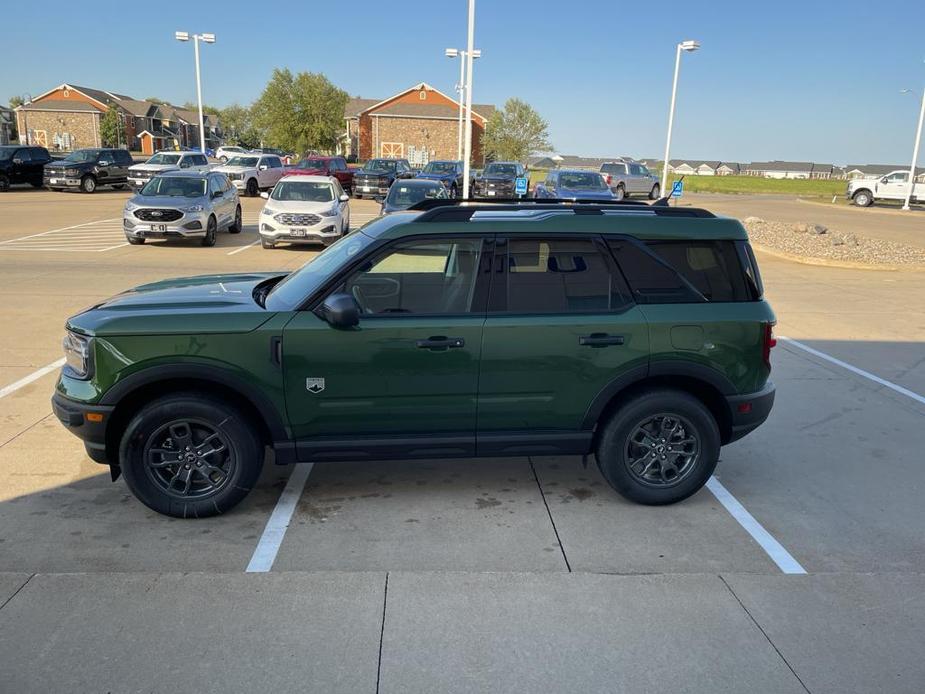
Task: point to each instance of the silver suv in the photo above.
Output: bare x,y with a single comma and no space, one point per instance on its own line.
627,177
182,204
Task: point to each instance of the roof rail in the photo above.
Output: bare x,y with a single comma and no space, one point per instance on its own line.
459,210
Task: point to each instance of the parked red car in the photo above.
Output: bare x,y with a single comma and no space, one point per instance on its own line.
325,166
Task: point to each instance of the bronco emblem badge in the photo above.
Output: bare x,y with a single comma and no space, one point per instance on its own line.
314,385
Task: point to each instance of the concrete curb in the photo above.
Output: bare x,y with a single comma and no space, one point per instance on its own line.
830,262
887,211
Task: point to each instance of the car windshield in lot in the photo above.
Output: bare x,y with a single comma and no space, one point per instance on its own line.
243,161
164,158
175,186
500,170
303,191
83,155
405,195
312,164
440,167
381,165
7,152
580,179
296,287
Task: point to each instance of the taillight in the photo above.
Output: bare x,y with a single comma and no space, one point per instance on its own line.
768,342
609,179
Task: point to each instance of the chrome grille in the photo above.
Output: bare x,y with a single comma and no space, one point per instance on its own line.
158,215
297,220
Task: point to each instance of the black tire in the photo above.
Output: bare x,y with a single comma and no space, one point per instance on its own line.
267,244
135,241
4,184
211,228
655,192
87,184
863,198
231,471
454,192
252,190
236,225
223,159
118,186
620,192
618,446
34,184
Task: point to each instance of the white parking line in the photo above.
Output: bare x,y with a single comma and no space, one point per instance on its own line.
243,248
275,530
855,370
34,376
774,549
90,237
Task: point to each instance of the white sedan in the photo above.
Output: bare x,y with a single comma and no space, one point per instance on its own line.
251,173
305,209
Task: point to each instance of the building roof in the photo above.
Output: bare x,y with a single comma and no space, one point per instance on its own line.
357,105
777,165
877,169
137,108
99,94
59,105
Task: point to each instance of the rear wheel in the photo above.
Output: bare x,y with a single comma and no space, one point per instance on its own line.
620,192
252,189
655,192
211,227
659,448
236,226
87,184
190,455
863,198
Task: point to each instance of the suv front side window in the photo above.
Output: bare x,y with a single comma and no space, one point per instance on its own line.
23,155
421,277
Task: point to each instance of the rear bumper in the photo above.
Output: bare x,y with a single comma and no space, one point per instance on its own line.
73,415
748,412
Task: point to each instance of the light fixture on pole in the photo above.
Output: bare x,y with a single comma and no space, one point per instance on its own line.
467,142
206,38
461,90
915,150
688,47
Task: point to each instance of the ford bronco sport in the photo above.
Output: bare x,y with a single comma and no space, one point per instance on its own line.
634,332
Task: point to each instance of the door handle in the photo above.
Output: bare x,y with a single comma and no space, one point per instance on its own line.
439,343
600,340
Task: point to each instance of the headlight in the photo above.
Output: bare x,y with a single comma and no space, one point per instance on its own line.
331,212
71,172
268,211
193,208
130,206
77,355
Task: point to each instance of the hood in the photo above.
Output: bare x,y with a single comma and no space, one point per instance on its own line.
437,176
585,193
169,201
298,206
296,171
185,305
497,178
153,167
374,172
62,164
234,169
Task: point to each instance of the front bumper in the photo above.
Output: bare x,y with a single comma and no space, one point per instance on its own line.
326,231
748,412
81,420
191,224
60,181
136,183
370,188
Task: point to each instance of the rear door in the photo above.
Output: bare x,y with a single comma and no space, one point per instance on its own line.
561,325
411,366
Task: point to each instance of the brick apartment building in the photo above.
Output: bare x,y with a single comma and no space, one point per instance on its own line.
419,124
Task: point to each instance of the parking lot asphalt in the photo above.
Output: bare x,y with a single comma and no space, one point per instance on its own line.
515,574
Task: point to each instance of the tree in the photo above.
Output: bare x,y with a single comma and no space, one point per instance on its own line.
238,125
515,133
300,112
112,130
213,110
16,101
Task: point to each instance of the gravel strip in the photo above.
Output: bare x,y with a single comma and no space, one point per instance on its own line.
817,241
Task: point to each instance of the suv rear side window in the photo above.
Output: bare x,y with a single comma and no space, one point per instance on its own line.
558,275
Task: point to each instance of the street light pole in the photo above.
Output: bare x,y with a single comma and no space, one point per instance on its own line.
461,88
467,143
915,154
690,47
208,38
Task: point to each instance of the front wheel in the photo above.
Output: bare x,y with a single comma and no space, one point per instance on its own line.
236,226
135,240
454,192
655,192
118,186
87,184
211,228
190,455
619,193
863,198
252,189
4,184
267,244
659,448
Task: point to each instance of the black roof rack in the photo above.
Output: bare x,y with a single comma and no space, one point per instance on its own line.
461,210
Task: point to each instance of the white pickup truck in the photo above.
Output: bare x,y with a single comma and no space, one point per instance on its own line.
894,186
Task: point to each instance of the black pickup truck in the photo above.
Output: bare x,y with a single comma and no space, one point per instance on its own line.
87,169
498,180
22,164
378,175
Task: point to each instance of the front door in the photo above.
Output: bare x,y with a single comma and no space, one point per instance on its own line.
895,186
561,325
410,368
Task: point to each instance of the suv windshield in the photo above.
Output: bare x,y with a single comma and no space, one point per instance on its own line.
164,158
500,170
312,164
83,155
404,195
580,179
175,186
298,286
243,161
303,191
440,167
381,165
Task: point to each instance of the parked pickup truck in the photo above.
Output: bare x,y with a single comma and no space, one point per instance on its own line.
626,177
336,167
139,174
894,186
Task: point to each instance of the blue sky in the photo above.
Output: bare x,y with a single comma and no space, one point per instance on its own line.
784,80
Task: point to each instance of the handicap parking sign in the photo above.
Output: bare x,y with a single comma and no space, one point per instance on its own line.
520,185
677,189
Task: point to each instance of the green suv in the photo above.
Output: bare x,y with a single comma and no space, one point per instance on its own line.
634,332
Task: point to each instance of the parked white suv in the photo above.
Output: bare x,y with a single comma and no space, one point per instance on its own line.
626,177
252,173
167,160
894,186
226,152
305,209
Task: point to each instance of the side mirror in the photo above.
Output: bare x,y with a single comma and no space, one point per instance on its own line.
103,162
340,311
263,167
265,195
17,160
216,194
884,180
344,197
